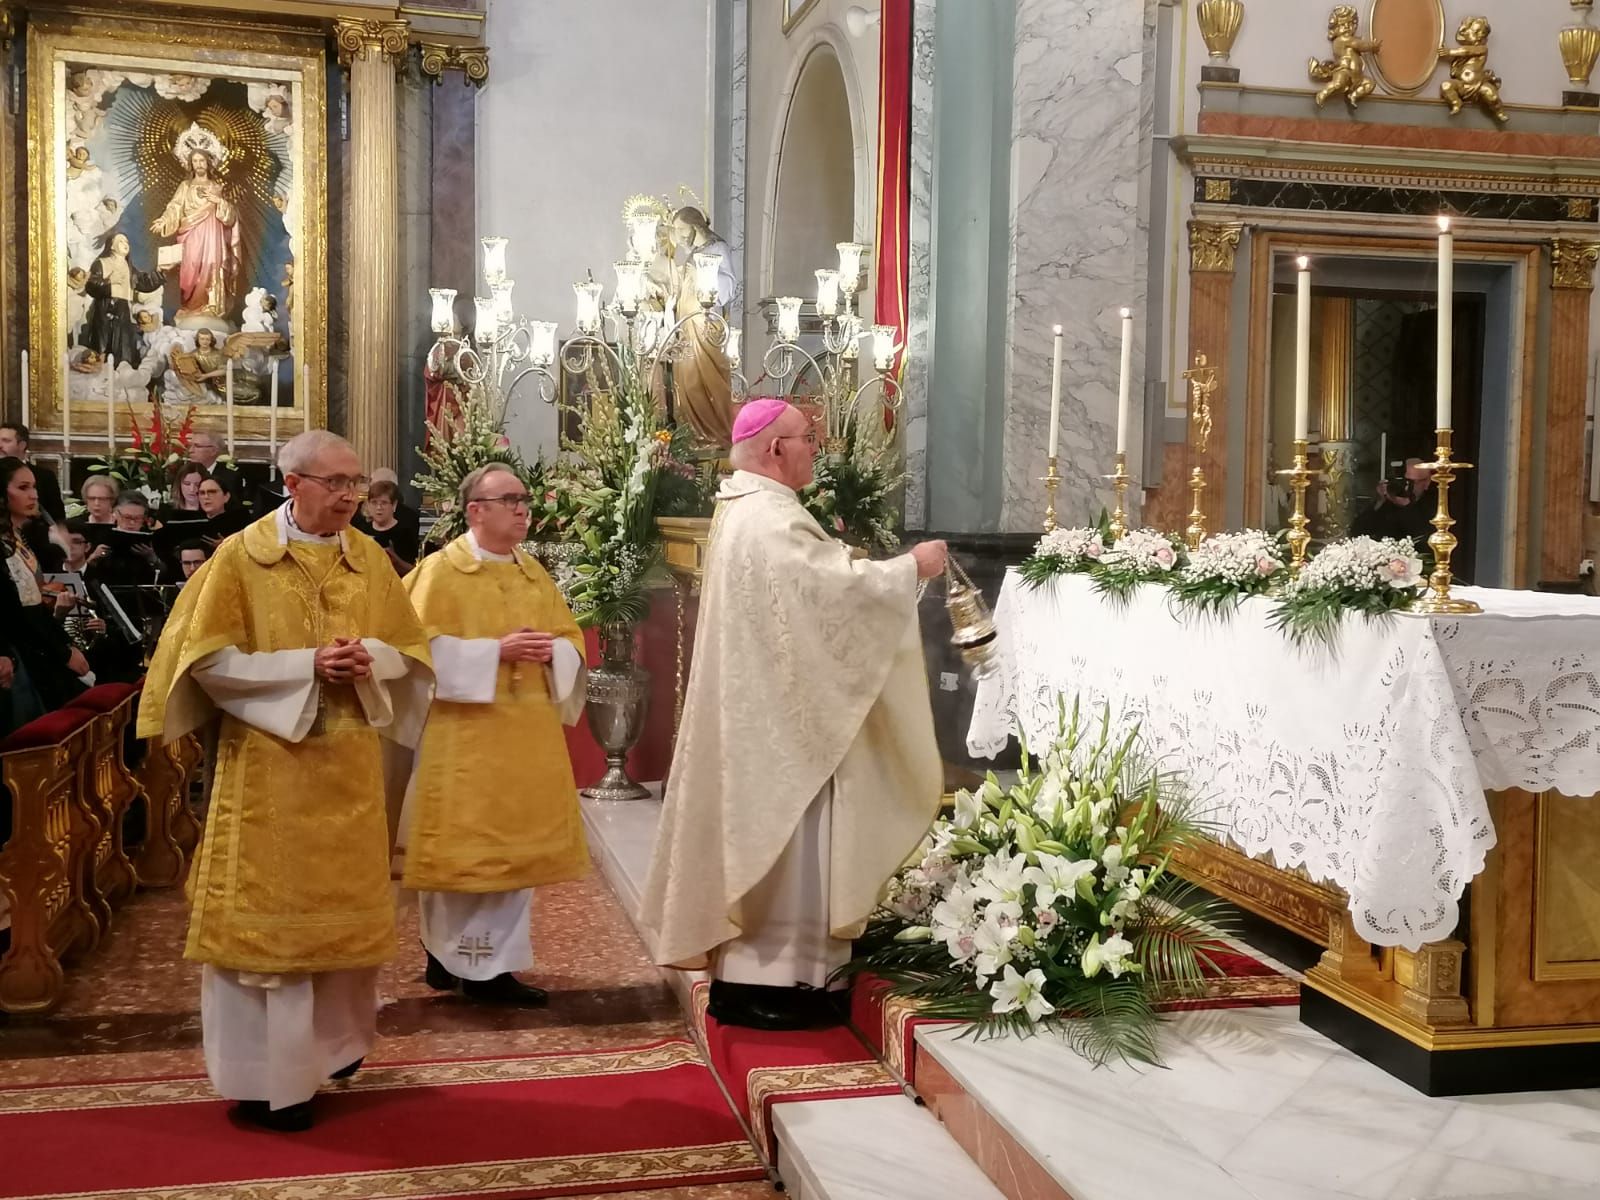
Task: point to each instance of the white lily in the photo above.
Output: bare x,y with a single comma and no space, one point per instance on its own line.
1056,876
1001,877
967,809
993,946
1013,991
1116,873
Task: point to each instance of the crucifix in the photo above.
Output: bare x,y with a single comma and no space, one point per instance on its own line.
1202,383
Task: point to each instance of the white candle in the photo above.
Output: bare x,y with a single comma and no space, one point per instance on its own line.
1055,393
1383,456
25,387
1447,292
1302,354
229,398
66,418
305,396
272,423
111,410
1125,382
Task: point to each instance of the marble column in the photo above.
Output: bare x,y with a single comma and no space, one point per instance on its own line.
1572,287
919,281
1082,120
371,50
1336,318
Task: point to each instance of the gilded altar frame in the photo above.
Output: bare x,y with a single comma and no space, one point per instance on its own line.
240,51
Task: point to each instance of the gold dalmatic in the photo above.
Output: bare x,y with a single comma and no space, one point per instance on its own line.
292,874
493,807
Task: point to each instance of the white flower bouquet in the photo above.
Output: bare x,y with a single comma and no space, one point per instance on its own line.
1370,576
1138,556
1052,899
1227,567
1064,552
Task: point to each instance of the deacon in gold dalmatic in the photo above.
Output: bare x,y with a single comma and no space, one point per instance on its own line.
480,835
295,648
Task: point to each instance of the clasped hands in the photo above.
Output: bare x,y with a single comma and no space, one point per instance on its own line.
345,661
527,645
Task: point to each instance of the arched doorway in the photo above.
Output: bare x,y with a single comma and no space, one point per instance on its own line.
815,204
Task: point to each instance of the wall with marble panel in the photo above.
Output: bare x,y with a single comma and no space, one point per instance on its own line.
1081,122
586,104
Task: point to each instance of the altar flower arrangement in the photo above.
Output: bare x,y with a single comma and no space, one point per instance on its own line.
1051,899
857,478
1139,556
1226,568
1370,576
149,462
457,445
1064,552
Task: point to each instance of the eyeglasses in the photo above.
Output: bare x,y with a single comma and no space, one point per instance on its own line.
357,484
510,500
809,437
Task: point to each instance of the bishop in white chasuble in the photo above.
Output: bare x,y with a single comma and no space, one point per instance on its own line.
806,769
296,650
492,811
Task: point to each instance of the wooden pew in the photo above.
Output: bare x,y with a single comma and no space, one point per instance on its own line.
110,791
42,860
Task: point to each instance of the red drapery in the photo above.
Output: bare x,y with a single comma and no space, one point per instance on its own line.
892,249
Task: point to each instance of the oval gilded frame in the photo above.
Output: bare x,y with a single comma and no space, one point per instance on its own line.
1395,87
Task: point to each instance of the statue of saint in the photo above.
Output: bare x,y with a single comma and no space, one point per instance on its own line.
204,222
113,282
702,380
202,374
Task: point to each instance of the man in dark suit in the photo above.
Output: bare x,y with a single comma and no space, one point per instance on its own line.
14,444
204,449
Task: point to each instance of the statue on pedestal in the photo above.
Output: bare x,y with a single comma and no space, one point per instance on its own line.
702,379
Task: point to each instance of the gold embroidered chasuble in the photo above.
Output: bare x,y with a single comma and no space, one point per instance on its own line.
493,806
292,874
807,667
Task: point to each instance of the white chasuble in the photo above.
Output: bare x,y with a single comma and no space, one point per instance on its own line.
807,672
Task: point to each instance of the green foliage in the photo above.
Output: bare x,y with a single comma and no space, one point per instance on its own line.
453,451
852,494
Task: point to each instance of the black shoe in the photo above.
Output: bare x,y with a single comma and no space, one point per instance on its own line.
754,1006
438,978
505,989
294,1119
347,1072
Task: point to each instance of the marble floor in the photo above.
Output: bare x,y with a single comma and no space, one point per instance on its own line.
132,1007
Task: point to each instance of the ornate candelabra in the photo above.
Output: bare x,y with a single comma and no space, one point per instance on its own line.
1119,482
1202,382
1051,481
1299,537
1442,542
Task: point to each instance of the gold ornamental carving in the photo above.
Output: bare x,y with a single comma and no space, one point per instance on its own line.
1219,25
8,28
1471,80
1212,245
389,39
1572,264
1580,48
1430,982
1345,74
471,61
1202,383
1409,34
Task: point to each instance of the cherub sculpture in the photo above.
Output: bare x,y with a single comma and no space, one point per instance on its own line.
1344,74
1471,81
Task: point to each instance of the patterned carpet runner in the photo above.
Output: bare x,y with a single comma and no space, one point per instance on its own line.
547,1125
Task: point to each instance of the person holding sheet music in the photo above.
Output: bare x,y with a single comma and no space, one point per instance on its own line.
57,669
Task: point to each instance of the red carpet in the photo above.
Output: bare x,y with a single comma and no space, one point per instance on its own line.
761,1069
546,1125
889,1023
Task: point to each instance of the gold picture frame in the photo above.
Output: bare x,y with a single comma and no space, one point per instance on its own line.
288,257
795,11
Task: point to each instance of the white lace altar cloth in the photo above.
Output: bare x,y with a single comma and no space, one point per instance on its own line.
1366,765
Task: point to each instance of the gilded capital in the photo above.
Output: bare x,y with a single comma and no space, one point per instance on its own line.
1211,245
1572,262
8,28
386,39
471,61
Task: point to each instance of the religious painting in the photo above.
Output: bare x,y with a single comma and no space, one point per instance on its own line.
178,225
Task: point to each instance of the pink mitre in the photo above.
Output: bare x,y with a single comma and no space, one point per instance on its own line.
755,415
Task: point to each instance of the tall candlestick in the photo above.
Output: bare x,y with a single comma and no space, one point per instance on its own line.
229,397
1125,382
111,410
272,423
1302,353
1055,394
25,387
1447,291
1383,456
66,421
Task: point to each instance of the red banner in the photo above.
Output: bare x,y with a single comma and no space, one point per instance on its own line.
892,248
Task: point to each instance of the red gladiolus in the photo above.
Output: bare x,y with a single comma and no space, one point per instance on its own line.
185,429
138,434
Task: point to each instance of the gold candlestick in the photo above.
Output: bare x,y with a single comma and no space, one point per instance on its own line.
1120,480
1051,482
1443,542
1196,533
1299,537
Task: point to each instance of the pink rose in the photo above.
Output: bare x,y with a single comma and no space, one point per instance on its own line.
502,442
1266,566
1165,557
1093,550
1399,568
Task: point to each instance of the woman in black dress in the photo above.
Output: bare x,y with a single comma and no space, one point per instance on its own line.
53,663
386,529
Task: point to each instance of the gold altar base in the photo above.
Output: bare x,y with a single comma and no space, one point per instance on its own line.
1514,1005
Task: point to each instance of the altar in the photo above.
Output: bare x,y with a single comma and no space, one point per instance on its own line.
1418,798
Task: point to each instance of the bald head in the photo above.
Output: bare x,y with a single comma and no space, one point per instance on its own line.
785,450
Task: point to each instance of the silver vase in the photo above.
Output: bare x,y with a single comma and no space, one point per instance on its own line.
619,693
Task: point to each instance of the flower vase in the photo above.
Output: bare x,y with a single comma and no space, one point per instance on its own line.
619,692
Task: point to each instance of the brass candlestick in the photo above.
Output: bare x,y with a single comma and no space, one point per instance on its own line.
1051,482
1443,542
1196,532
1119,481
1202,383
1299,537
